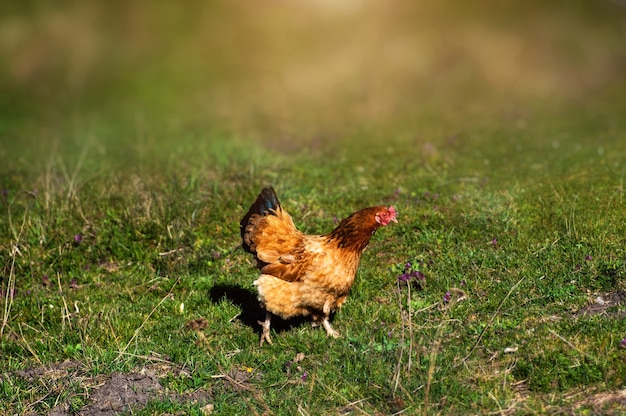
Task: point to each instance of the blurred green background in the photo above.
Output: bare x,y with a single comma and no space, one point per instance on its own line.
291,73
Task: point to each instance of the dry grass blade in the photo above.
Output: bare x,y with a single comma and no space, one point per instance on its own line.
396,375
10,289
407,320
431,367
241,387
482,333
28,347
575,348
348,402
138,330
65,312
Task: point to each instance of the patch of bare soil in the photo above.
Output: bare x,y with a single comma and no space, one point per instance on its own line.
53,371
611,304
605,403
114,393
581,401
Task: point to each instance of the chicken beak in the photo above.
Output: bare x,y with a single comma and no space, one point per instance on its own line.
392,211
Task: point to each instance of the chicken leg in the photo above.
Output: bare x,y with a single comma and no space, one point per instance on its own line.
265,336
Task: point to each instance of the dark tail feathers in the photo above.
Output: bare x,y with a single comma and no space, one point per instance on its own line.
265,202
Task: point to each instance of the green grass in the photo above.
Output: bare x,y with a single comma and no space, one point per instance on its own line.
118,229
159,236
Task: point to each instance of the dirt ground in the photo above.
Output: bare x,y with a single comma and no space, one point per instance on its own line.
113,393
606,304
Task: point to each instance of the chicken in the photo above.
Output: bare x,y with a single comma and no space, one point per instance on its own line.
305,274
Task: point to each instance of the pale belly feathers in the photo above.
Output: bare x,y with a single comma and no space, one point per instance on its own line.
322,290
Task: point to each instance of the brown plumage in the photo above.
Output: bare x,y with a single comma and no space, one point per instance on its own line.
305,274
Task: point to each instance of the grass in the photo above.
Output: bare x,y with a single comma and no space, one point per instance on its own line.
120,246
102,264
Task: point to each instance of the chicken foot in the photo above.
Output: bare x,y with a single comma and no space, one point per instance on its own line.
265,336
330,331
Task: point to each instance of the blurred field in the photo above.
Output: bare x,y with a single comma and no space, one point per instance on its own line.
300,68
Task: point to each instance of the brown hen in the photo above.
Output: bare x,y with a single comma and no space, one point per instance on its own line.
305,274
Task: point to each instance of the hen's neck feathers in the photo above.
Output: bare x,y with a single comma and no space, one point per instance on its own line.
354,233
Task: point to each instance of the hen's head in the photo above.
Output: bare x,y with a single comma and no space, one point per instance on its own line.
354,232
386,215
